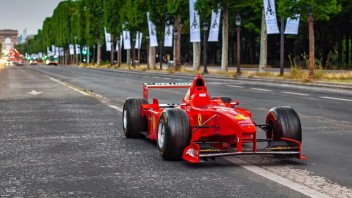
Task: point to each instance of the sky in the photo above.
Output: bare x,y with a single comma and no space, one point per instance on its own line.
21,14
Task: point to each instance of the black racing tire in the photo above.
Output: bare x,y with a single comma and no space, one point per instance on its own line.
173,134
132,120
285,123
224,99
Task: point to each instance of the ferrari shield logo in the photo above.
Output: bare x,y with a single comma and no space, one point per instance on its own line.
199,119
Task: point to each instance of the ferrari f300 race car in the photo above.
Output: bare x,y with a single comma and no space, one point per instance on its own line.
203,127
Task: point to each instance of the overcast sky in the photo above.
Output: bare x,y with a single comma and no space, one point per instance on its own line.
21,14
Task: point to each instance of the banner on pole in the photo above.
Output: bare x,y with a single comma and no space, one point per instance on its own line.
169,29
57,51
138,43
78,49
152,33
107,40
214,26
53,50
194,22
126,40
270,17
71,49
292,25
61,53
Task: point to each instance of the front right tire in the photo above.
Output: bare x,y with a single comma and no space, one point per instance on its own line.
285,123
132,120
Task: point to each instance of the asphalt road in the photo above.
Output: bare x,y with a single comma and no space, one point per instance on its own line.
57,142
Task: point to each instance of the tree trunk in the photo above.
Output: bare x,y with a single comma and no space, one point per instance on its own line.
98,53
339,50
151,57
128,57
119,53
196,55
225,40
263,45
177,47
347,49
112,51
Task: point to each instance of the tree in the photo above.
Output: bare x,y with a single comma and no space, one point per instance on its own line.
133,18
112,21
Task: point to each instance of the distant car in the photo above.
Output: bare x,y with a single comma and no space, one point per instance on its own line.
51,61
33,62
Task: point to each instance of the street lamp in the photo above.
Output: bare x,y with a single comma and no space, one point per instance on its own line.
205,29
133,51
175,50
311,42
238,23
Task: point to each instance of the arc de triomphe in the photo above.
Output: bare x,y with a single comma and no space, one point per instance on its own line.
8,38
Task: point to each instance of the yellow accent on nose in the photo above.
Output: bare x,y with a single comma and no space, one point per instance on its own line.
199,119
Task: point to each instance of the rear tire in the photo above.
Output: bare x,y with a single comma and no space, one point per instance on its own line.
285,123
132,120
173,133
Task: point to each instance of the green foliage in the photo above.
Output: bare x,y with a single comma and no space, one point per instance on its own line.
82,21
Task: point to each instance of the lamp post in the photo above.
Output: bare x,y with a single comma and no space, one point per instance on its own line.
175,50
311,42
133,51
205,29
238,23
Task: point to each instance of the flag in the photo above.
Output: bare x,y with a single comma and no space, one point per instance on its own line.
194,22
152,33
78,49
72,50
292,25
169,29
138,43
214,26
126,40
107,40
270,17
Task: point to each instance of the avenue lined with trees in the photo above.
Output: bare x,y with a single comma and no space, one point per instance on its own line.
83,22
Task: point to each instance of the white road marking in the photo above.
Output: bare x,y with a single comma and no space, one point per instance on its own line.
116,107
100,97
236,86
340,99
258,89
34,92
293,93
73,88
215,83
276,178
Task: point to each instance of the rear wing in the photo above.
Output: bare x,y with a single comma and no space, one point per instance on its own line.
147,86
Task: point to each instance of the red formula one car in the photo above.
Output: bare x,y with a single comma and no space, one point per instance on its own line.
204,127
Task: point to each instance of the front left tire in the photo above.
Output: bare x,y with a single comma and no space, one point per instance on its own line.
173,133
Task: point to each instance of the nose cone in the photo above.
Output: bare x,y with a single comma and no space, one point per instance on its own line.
241,121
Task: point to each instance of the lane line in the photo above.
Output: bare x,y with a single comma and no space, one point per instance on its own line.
294,93
258,89
236,86
99,97
340,99
116,107
71,87
278,179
